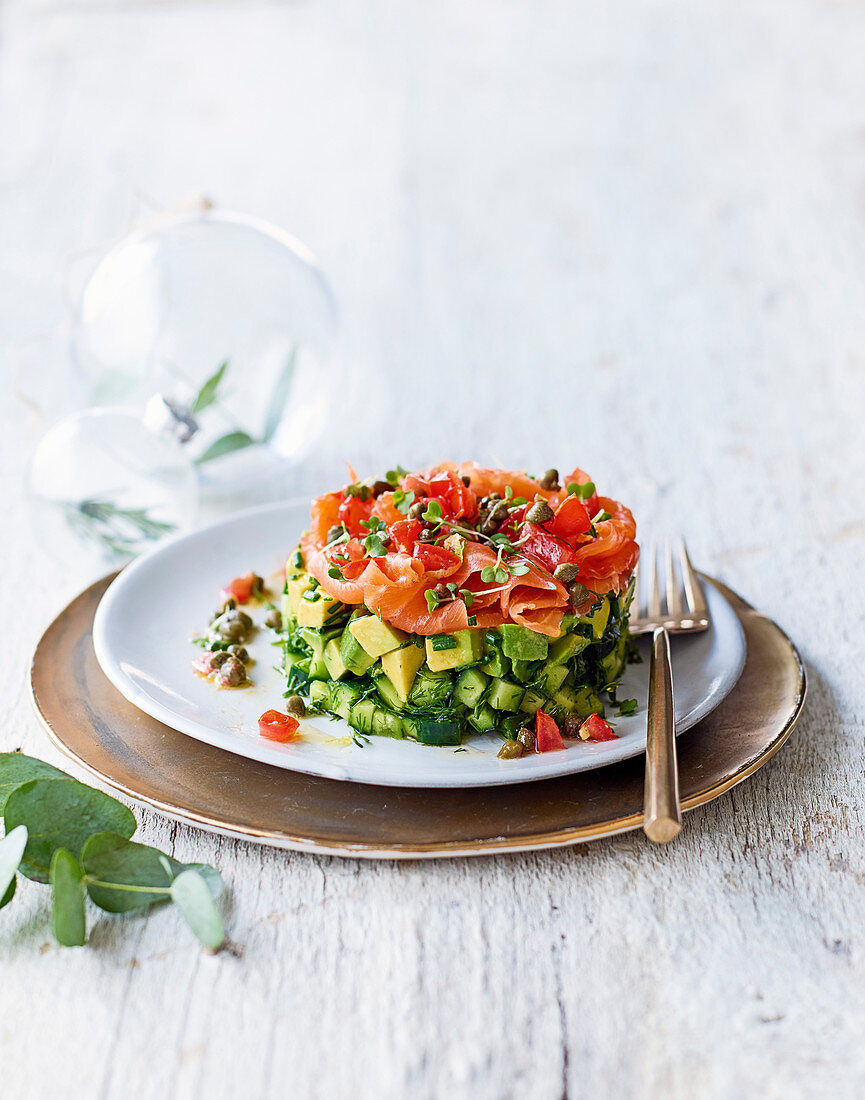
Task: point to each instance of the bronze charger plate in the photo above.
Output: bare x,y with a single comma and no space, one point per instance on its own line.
90,721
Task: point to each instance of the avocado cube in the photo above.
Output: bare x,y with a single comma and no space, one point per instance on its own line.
375,636
522,670
353,655
471,685
496,664
468,649
315,611
566,647
553,676
333,660
400,667
521,644
295,588
598,618
504,695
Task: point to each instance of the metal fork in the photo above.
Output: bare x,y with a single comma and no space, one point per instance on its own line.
664,614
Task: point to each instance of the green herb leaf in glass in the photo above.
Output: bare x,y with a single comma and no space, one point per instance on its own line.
231,441
11,851
62,813
209,391
279,398
191,894
16,768
69,919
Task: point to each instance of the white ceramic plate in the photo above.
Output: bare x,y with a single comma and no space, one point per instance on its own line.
147,617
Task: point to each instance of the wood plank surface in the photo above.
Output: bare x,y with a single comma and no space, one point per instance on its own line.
628,236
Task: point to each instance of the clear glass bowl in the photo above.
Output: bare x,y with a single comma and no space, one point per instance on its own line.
104,487
223,331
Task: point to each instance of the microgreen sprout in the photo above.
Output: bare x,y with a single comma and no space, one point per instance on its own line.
395,476
581,491
403,501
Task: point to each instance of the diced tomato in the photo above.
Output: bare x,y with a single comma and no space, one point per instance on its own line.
547,736
414,484
242,588
352,511
435,557
545,547
450,488
571,518
596,728
405,534
273,725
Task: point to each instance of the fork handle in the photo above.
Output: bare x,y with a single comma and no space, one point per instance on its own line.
662,814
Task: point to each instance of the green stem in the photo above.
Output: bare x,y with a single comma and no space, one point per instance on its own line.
127,886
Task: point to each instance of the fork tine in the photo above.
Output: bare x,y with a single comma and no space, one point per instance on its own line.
694,597
674,602
653,600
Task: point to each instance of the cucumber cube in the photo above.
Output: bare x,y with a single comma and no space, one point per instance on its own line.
483,718
471,685
438,733
505,695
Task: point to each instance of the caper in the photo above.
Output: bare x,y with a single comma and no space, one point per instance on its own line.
510,750
550,480
231,674
572,724
540,512
578,594
228,604
240,652
237,616
296,706
257,584
337,531
495,518
218,658
229,630
566,572
427,535
466,480
273,619
527,739
417,510
379,487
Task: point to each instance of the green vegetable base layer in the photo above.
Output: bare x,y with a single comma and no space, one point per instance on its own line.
441,689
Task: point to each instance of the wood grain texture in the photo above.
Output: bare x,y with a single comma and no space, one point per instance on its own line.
628,236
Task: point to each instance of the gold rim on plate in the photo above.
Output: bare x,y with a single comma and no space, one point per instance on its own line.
91,722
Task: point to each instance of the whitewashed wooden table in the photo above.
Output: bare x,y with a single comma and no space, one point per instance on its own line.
627,236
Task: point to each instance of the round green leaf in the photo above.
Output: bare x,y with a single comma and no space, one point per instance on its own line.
117,863
10,893
191,895
16,768
69,918
62,813
11,850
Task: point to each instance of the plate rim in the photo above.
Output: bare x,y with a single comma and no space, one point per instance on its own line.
225,741
437,849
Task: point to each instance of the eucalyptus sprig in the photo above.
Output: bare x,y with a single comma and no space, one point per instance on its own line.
76,839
